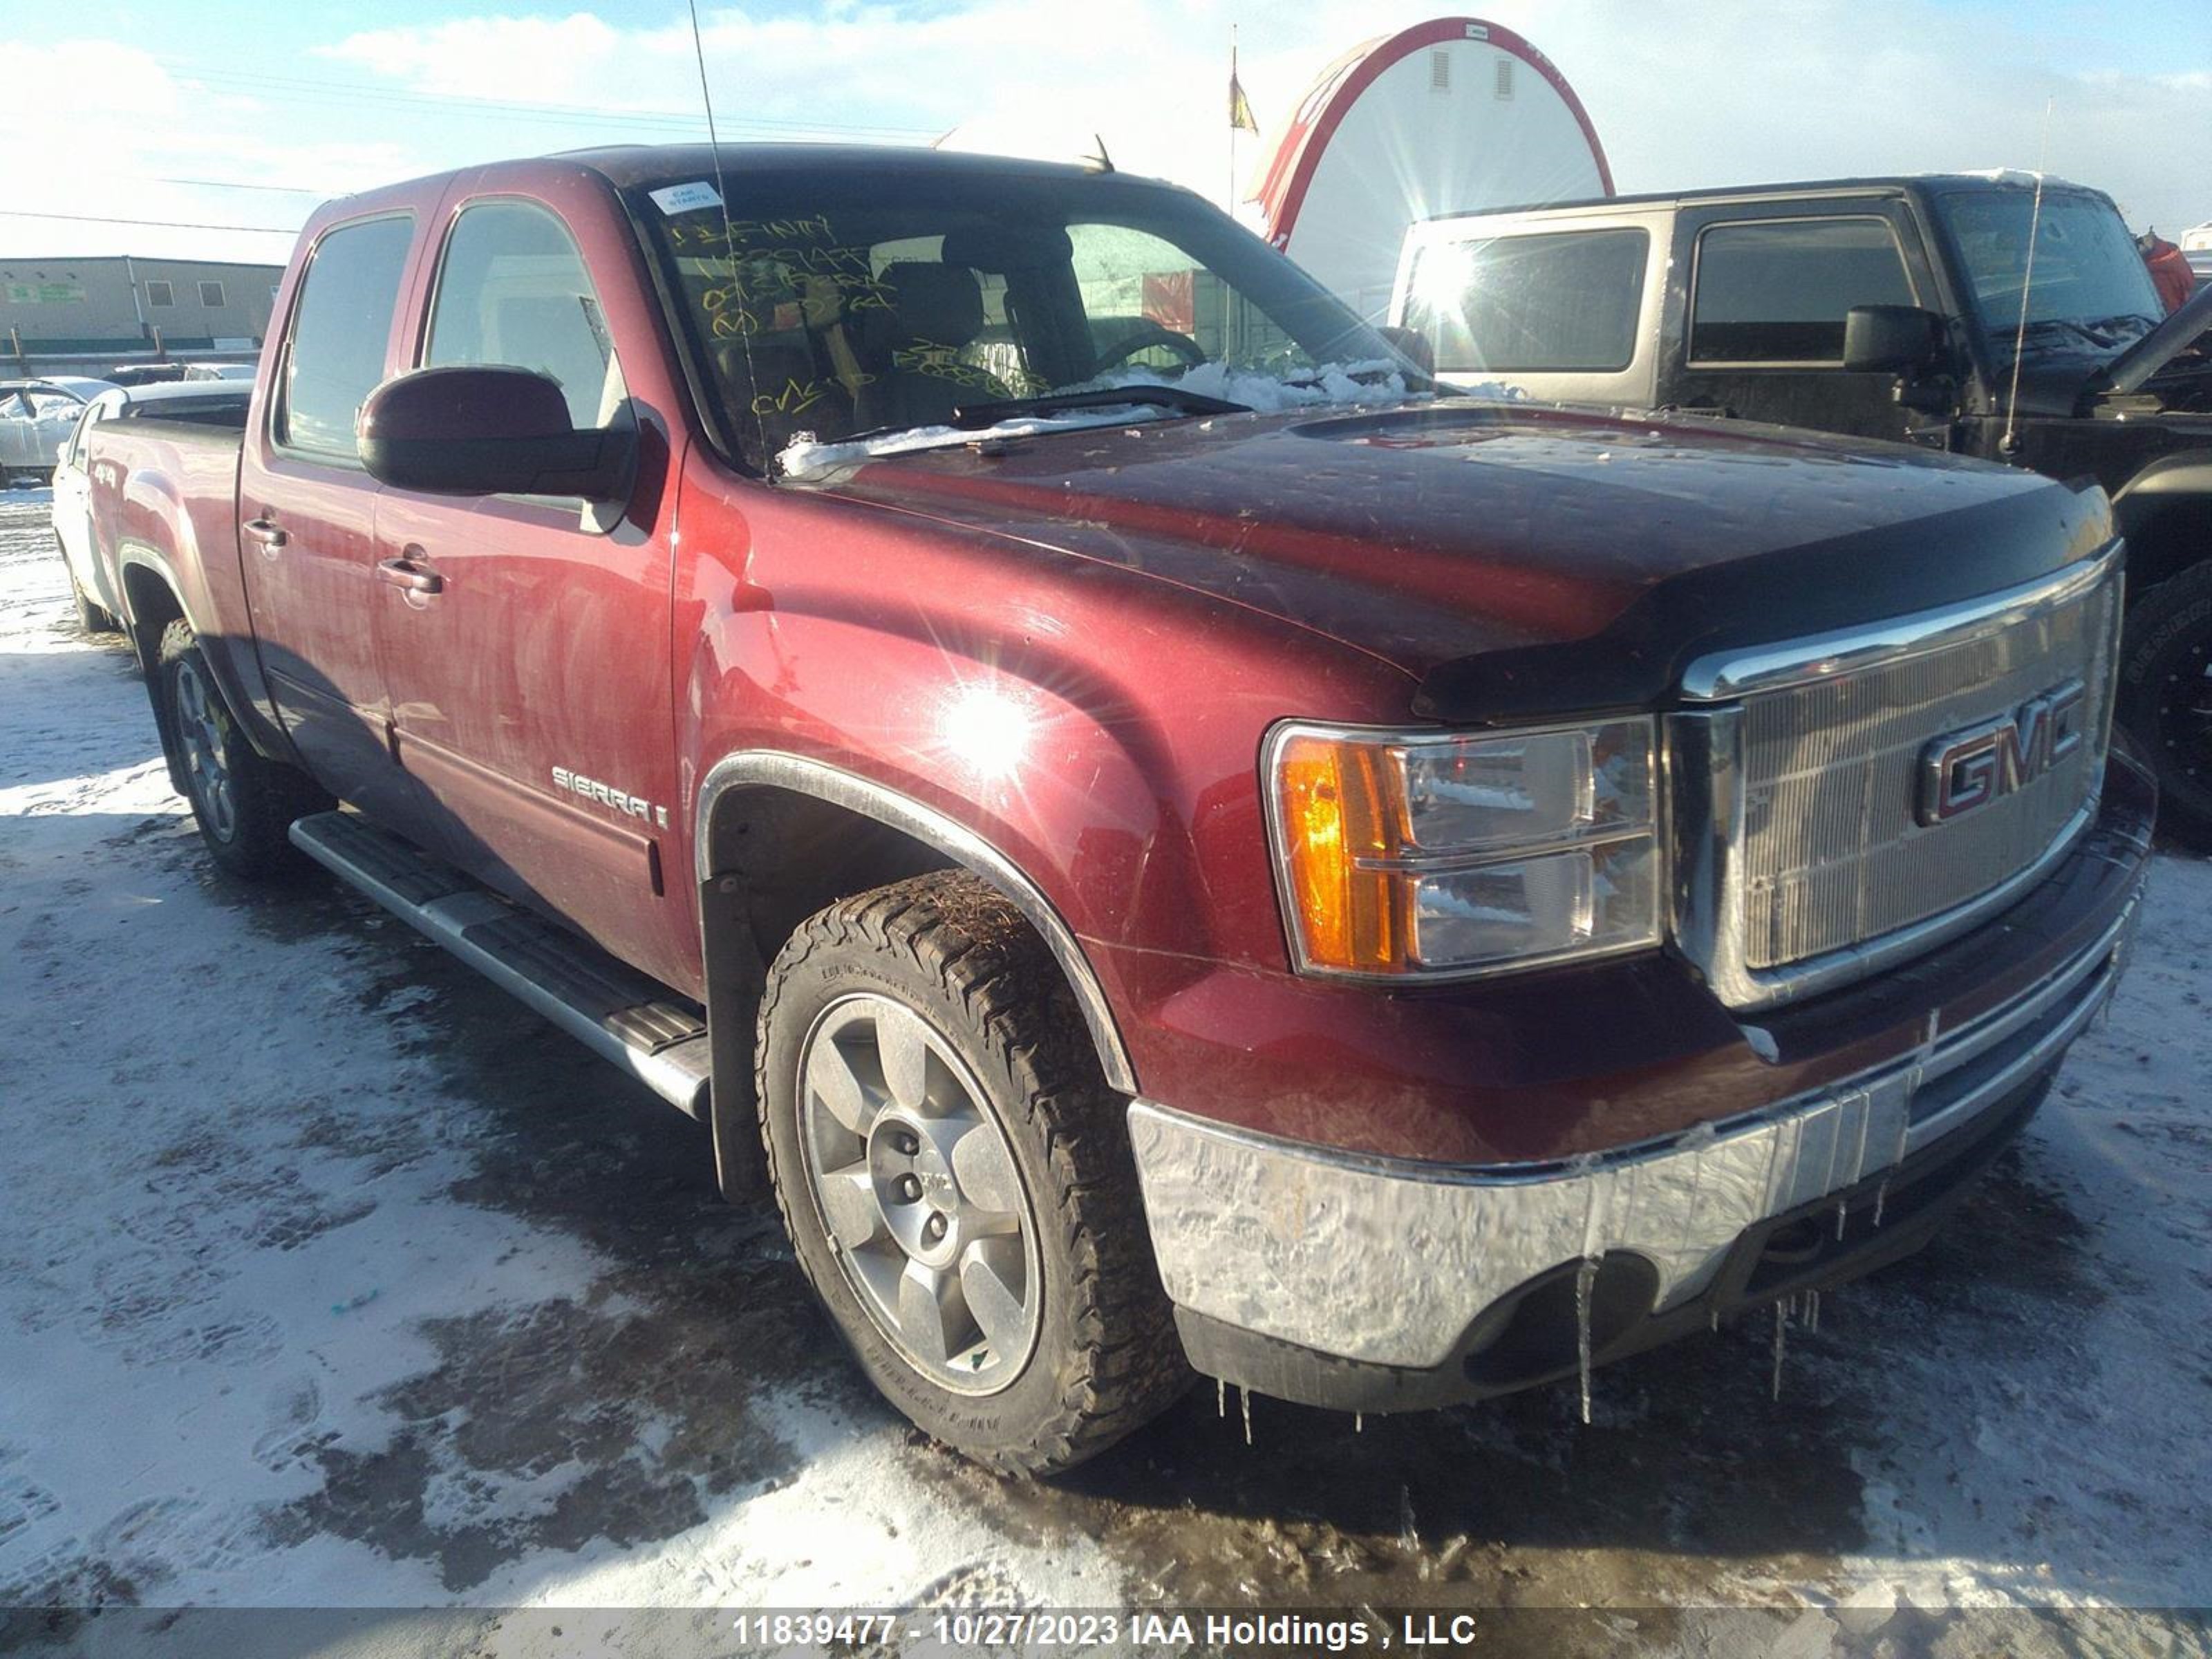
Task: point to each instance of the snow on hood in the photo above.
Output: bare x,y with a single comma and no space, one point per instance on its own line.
806,458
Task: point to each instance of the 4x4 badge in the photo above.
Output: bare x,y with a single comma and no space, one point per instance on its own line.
1962,770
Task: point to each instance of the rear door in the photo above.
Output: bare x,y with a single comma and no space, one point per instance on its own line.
73,510
1760,334
530,672
308,534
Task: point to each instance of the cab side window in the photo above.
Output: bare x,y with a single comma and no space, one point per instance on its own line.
513,291
1776,291
339,328
1565,302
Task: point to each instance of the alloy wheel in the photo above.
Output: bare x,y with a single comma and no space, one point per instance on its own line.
918,1191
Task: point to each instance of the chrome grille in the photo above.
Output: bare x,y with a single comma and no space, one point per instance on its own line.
1801,859
1833,851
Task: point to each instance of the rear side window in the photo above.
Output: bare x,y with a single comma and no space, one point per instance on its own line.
1776,292
1563,301
513,290
339,328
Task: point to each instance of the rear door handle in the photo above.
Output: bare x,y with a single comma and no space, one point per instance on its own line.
407,574
271,537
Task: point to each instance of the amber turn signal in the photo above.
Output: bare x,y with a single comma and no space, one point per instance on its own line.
1434,853
1339,806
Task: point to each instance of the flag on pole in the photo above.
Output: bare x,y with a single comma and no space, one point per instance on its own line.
1240,112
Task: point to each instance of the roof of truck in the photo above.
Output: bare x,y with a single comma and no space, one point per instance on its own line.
1893,184
625,164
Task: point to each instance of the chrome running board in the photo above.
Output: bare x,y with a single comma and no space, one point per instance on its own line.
614,1010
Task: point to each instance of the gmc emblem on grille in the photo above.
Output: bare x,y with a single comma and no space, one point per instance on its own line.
1960,771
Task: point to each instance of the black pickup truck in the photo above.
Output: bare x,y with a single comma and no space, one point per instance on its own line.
1911,309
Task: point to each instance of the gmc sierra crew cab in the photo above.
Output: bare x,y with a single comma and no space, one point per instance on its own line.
1167,842
1911,309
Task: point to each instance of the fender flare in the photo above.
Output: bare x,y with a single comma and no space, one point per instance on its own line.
2156,510
774,768
137,554
2184,476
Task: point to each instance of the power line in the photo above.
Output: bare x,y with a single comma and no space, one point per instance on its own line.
230,184
164,224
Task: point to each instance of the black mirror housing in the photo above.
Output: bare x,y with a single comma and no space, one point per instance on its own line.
489,430
1891,339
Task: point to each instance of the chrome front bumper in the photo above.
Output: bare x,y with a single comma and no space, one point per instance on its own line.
1388,1262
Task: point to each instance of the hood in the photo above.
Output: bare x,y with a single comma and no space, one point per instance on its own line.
2140,361
1513,556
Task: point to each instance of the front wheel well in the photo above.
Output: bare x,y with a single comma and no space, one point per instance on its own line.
781,856
2166,537
772,855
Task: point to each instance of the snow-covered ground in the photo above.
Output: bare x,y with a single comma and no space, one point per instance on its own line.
331,1278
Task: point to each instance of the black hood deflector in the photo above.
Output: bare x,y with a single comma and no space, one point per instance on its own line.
1869,577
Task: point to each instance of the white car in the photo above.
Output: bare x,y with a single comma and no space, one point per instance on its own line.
220,372
93,578
35,416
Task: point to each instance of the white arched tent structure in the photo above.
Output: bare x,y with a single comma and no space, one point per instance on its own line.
1450,116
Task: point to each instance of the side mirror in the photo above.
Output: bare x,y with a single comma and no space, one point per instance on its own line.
1891,339
1412,344
489,430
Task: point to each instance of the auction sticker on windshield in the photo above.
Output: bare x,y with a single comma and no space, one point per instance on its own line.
686,198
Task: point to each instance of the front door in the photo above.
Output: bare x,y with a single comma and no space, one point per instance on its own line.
526,649
306,535
1761,336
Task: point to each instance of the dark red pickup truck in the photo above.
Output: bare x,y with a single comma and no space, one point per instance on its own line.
1187,847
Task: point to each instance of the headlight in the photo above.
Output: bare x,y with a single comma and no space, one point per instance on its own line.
1408,855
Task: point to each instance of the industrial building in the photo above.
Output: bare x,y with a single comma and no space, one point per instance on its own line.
117,306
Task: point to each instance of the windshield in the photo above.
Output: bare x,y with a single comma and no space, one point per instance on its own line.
2089,287
846,301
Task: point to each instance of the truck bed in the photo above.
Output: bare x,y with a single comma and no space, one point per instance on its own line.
165,506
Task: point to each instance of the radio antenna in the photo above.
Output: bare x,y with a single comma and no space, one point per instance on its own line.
2010,442
729,236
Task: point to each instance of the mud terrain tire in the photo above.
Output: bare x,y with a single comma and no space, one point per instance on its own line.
2165,671
1103,1359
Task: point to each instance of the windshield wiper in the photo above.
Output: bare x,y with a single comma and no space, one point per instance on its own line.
2055,333
1174,398
979,417
2135,319
2098,330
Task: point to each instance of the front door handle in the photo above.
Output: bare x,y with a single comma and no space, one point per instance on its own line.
271,537
406,575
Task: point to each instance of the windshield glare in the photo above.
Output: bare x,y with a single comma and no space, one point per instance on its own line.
2087,270
840,302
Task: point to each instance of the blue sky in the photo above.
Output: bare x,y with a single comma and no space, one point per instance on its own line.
229,94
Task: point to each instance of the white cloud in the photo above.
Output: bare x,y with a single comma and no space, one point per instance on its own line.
1683,92
142,128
